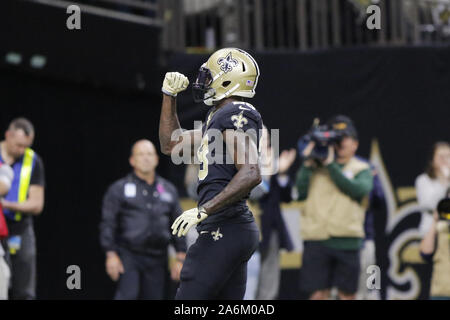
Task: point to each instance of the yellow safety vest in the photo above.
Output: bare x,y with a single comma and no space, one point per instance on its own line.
25,177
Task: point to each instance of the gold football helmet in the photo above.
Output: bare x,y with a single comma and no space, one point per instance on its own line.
228,72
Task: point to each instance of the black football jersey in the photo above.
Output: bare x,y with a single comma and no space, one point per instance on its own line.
217,167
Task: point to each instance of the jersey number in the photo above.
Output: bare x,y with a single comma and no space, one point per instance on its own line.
201,154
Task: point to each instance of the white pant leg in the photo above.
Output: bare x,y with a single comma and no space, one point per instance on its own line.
5,275
367,258
269,279
253,269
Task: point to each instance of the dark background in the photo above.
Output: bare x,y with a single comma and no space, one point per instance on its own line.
88,112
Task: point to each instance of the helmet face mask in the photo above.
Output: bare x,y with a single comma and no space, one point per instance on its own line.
201,88
228,72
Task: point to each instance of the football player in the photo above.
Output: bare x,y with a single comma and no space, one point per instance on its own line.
216,264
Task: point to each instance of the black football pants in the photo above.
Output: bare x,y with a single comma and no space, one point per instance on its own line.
216,264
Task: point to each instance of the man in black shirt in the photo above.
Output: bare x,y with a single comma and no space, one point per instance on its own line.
138,211
24,200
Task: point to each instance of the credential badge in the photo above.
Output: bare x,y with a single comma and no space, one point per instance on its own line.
130,190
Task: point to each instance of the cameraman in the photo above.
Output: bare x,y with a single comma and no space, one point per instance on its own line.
435,248
332,220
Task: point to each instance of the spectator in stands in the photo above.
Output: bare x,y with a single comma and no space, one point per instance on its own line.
275,235
263,276
138,211
432,185
332,221
368,249
24,200
254,264
435,248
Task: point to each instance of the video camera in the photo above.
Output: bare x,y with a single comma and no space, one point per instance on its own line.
323,136
443,209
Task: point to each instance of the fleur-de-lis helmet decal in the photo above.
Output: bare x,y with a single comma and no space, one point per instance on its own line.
227,63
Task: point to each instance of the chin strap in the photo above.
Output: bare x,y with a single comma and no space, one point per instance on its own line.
210,101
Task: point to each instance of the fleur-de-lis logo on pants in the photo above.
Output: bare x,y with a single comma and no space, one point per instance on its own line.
228,63
216,234
239,120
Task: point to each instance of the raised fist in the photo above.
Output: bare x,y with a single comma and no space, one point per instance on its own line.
174,82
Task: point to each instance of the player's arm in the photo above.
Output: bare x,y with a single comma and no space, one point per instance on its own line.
245,156
108,227
174,83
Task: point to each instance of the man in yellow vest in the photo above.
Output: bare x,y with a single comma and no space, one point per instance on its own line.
24,200
332,221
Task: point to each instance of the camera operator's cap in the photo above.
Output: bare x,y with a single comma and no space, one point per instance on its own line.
344,125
